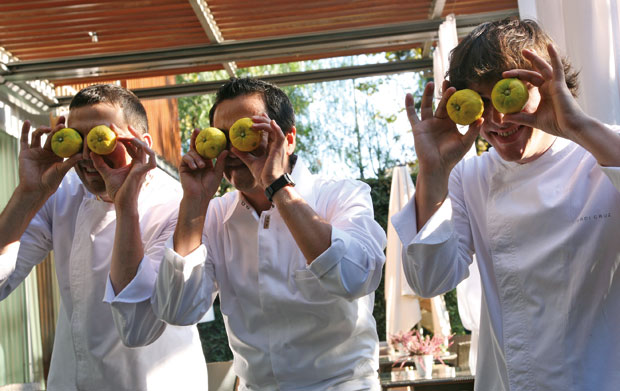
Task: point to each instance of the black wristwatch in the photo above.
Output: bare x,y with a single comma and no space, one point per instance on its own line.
284,180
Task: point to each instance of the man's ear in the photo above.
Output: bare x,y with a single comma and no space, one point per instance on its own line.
291,140
147,139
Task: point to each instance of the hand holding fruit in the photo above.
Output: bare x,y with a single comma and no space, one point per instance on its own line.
123,182
439,144
271,148
40,169
200,178
558,112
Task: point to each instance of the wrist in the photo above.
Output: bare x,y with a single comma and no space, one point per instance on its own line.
277,185
30,198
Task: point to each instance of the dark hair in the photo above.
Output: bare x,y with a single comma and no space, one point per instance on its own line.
279,107
132,108
495,47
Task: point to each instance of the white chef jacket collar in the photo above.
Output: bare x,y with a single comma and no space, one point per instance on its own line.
559,145
302,177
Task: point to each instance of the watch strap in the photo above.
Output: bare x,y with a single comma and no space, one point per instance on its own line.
284,180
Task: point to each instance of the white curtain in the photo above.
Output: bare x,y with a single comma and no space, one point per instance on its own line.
448,39
402,306
588,33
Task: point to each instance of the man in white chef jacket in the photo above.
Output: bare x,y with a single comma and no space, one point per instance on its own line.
295,258
108,207
540,210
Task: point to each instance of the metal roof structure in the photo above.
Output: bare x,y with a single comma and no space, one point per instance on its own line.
72,41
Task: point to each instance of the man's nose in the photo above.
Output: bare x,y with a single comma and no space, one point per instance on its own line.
497,118
85,150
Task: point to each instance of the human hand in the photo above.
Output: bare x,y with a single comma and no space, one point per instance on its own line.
200,178
558,113
40,169
269,161
438,143
123,183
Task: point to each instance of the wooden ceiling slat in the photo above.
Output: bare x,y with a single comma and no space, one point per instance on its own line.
79,51
55,31
81,38
68,8
312,10
148,41
114,14
361,17
261,32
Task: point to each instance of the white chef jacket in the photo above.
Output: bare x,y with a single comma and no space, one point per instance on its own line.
290,326
88,353
546,235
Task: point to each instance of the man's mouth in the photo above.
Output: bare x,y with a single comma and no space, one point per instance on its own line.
508,133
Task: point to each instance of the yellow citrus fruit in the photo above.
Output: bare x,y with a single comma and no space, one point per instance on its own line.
509,95
210,142
243,137
101,140
66,142
465,106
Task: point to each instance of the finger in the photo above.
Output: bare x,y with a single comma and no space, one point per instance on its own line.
149,162
247,158
444,86
263,118
521,118
36,136
120,132
426,109
136,149
192,159
23,140
220,163
100,165
556,63
134,132
442,111
539,63
66,165
410,107
192,142
533,77
61,121
472,132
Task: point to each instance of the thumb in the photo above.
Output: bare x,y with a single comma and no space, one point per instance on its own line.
100,164
472,132
521,118
220,163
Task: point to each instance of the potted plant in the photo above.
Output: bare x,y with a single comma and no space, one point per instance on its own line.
423,350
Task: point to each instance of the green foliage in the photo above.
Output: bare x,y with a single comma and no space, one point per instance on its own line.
453,312
214,338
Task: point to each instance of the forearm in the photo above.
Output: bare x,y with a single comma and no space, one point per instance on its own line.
431,192
17,214
311,233
188,233
128,249
602,142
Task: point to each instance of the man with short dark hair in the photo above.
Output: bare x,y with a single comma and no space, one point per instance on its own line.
294,257
112,207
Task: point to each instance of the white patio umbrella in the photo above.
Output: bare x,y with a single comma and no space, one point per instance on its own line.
402,306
